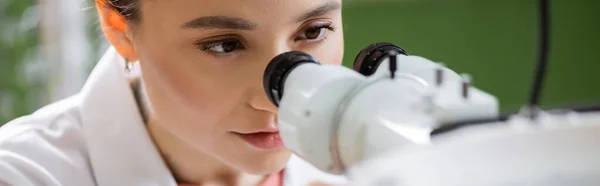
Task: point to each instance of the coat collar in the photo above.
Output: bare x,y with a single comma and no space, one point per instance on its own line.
120,149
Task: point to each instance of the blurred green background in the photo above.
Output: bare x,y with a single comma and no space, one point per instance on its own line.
18,43
494,41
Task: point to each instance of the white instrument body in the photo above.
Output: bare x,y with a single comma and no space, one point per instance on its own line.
350,117
378,130
556,150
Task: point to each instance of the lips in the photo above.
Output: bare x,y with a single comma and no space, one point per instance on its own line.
263,140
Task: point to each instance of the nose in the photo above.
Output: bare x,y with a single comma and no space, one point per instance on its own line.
261,102
259,99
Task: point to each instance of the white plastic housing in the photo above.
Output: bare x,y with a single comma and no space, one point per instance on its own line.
391,113
556,150
311,94
447,96
334,117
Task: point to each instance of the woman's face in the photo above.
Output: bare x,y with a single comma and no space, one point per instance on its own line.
203,64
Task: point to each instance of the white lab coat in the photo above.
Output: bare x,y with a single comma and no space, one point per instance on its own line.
97,137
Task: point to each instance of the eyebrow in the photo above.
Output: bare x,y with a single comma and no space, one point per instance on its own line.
225,22
321,10
220,22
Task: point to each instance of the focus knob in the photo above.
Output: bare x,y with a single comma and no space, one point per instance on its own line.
369,58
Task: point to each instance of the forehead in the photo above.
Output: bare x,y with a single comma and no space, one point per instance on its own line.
258,11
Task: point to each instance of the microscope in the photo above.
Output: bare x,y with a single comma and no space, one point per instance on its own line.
398,119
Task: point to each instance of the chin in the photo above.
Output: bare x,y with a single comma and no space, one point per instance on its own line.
265,163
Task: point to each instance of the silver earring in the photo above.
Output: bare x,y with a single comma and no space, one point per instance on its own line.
128,65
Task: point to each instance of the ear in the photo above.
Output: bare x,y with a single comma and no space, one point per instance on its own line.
114,27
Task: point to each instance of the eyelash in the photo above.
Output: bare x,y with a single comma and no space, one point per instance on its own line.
208,46
319,26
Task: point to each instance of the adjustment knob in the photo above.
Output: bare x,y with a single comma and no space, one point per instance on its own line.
368,59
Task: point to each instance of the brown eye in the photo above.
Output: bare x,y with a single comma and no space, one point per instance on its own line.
314,33
229,46
225,46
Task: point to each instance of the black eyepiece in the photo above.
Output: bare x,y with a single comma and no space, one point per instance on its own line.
367,61
278,70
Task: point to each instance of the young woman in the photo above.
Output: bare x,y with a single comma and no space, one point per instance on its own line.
177,99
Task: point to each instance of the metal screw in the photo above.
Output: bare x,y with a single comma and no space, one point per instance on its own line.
393,58
466,85
439,74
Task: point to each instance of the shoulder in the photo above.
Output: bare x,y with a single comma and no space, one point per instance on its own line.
48,124
301,173
45,148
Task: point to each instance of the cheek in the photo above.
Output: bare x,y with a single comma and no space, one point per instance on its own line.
168,94
339,54
178,91
187,93
332,52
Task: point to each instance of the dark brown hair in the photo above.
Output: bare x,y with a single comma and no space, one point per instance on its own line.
128,9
